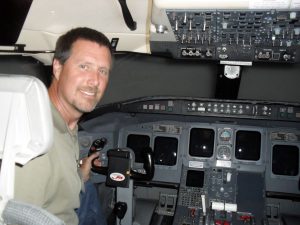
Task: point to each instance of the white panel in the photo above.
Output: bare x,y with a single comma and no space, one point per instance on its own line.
47,20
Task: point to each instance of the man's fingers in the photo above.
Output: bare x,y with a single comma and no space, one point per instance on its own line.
93,156
97,162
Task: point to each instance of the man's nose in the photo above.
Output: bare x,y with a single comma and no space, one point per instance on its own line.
94,78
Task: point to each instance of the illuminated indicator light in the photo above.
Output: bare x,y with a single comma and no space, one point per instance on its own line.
201,109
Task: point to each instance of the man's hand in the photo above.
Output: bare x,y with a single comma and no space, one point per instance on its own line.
86,165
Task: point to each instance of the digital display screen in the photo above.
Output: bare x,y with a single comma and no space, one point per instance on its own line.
138,143
202,142
247,145
195,178
165,151
285,160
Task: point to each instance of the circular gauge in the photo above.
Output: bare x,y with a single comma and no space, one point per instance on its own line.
225,135
224,152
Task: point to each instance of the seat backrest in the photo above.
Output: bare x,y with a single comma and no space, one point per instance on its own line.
26,130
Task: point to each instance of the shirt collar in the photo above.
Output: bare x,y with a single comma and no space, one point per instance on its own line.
59,122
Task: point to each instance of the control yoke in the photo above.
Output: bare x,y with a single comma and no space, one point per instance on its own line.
118,171
97,146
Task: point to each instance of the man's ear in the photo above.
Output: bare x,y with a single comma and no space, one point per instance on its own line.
57,67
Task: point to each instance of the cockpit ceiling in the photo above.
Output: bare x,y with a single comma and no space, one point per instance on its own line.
47,20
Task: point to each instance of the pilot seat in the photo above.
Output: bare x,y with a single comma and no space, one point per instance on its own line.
26,132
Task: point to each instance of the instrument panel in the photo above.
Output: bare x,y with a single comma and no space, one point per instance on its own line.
215,164
196,145
182,138
215,108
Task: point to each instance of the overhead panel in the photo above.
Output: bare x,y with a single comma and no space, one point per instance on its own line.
227,31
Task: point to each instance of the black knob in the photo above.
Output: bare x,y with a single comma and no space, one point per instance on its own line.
120,209
97,145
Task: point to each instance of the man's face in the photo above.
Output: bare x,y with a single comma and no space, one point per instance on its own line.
83,78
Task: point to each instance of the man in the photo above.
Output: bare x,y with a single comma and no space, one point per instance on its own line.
81,66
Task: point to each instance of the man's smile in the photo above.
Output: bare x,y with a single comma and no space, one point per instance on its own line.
88,92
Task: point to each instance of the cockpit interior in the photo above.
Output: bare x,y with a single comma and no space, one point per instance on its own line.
200,122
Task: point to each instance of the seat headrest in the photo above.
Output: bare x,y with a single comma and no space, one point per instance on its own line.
25,117
26,129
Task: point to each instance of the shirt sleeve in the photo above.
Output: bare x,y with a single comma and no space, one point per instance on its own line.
32,181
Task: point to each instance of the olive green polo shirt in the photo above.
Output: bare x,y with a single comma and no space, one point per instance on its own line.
51,181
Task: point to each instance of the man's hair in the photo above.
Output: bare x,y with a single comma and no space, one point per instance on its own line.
65,42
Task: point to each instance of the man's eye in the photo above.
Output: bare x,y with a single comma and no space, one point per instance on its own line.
103,71
84,67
